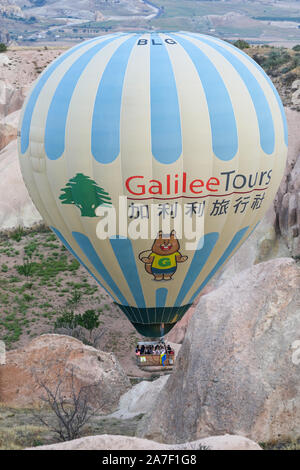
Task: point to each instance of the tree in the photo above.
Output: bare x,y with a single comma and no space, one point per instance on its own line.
3,47
241,44
89,320
72,405
296,48
85,194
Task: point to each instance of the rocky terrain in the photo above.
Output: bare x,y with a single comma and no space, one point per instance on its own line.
48,357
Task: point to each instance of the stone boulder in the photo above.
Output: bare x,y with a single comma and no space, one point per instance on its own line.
52,356
238,368
111,442
140,398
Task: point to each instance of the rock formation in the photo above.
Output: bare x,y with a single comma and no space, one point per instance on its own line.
8,128
296,93
237,371
7,134
11,97
45,356
287,202
140,398
108,442
16,207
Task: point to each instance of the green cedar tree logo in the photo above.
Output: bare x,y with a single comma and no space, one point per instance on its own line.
85,194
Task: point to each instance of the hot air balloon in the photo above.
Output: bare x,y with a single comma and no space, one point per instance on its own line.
185,123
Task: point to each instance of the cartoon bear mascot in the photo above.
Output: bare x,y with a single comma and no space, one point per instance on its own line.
162,262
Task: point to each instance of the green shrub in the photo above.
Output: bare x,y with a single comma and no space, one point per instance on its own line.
48,268
66,320
3,47
241,44
30,248
273,60
75,297
89,320
18,233
26,267
4,268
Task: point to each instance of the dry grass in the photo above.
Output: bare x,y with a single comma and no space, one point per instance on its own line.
286,444
19,428
18,437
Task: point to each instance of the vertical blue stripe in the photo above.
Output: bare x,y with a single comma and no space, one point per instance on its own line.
26,122
232,245
221,113
89,251
125,256
267,78
165,113
205,247
260,102
161,297
64,241
105,138
59,107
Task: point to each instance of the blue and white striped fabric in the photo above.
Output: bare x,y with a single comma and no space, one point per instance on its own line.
151,105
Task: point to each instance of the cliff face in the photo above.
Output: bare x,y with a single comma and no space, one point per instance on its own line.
287,202
238,369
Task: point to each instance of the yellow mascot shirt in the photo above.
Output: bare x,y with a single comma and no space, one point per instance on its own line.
164,261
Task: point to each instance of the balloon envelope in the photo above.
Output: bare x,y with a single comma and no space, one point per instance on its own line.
187,128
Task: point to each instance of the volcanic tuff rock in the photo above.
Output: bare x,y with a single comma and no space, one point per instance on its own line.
108,442
287,202
238,368
140,398
8,128
11,97
49,354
